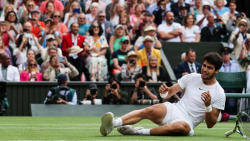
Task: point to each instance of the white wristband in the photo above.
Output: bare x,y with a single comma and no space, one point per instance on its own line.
209,109
164,95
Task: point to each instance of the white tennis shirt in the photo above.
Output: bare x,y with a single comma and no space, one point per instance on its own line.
191,102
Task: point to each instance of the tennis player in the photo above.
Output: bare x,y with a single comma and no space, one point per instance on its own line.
204,98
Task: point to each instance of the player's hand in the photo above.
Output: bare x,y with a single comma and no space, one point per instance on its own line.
206,98
163,89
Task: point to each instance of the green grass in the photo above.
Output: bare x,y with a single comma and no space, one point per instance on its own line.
87,128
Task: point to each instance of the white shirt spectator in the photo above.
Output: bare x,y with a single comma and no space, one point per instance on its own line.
165,28
89,17
71,20
31,41
115,20
190,34
12,74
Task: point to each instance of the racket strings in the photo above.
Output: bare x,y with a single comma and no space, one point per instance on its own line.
244,124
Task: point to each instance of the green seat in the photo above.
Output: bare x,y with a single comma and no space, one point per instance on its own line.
119,76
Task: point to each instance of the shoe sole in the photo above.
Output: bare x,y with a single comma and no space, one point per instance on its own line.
107,121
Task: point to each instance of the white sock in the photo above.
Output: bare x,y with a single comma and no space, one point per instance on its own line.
144,132
118,122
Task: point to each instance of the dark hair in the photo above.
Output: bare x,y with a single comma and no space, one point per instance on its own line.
184,21
232,1
189,50
140,75
159,2
144,11
166,13
214,58
72,24
91,32
49,3
6,17
51,58
116,80
19,42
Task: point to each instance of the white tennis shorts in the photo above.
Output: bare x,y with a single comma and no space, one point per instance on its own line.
174,114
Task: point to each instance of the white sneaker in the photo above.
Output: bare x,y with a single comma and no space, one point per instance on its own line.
107,123
129,130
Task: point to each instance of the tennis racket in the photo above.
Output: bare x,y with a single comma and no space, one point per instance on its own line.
243,125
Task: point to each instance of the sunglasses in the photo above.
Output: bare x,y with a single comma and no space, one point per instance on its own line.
50,40
96,27
101,16
57,16
12,15
82,18
30,5
34,65
125,42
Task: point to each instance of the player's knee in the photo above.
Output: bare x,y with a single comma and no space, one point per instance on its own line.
147,112
181,129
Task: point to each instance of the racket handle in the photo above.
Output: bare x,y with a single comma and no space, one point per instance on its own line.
229,133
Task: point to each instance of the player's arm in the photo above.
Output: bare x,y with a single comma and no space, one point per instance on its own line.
168,92
211,113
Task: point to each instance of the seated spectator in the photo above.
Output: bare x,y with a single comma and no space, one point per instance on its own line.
220,8
101,4
53,70
162,7
5,33
91,17
70,2
115,40
5,49
136,15
183,57
60,27
183,13
15,26
189,66
50,29
130,8
115,13
26,14
244,58
65,94
91,93
142,92
118,56
169,31
196,9
201,19
238,37
147,31
130,68
7,9
37,26
113,94
175,7
49,41
71,17
24,7
153,72
229,66
70,40
58,6
50,9
30,56
190,31
138,27
147,51
51,51
96,45
212,32
107,27
83,25
31,72
7,71
124,21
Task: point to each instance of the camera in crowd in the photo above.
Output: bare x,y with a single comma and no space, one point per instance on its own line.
53,98
146,101
113,86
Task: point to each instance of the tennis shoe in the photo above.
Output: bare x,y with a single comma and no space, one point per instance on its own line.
129,130
107,123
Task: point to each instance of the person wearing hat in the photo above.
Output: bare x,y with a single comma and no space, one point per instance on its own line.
50,29
229,66
151,31
130,68
237,38
74,39
118,56
64,94
49,41
91,93
147,51
37,26
176,6
183,13
214,30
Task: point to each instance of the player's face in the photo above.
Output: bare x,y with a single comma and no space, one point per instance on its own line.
208,71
